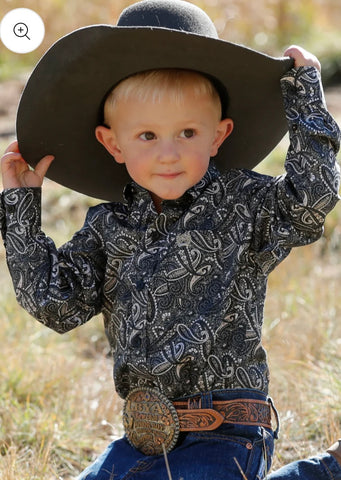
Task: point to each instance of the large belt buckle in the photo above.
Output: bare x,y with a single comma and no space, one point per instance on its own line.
150,421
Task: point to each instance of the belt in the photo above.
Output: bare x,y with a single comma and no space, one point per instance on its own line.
153,423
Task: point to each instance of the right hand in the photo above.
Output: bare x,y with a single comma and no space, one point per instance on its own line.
17,173
302,57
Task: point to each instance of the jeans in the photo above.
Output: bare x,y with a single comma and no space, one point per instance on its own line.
231,452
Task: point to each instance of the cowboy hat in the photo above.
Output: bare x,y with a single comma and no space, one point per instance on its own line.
61,104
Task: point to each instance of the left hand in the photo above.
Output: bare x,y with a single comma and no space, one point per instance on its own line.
302,57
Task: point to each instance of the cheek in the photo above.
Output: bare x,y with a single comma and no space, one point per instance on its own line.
136,167
200,165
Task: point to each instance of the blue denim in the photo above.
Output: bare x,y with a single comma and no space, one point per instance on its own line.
321,467
231,452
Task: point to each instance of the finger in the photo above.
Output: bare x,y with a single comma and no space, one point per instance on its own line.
13,167
302,57
43,165
10,158
295,51
13,147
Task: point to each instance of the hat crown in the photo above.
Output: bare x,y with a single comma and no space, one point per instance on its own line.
170,14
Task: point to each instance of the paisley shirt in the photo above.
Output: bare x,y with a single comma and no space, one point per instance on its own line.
182,292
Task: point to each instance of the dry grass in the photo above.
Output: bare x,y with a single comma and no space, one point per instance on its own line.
57,405
56,398
303,338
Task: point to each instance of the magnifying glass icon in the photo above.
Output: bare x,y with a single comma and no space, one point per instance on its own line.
18,24
21,30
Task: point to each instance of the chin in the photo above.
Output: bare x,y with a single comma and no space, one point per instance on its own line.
172,197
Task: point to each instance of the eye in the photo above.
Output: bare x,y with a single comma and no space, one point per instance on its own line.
147,136
187,133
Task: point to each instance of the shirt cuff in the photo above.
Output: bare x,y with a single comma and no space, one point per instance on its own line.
302,86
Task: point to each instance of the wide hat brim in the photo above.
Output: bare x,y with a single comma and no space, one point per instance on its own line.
60,105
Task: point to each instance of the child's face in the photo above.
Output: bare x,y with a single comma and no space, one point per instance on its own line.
166,146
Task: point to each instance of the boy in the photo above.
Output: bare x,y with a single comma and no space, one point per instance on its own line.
179,268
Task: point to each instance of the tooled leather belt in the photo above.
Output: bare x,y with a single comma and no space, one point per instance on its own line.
153,423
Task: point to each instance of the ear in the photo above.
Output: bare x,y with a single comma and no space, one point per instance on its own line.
107,138
224,129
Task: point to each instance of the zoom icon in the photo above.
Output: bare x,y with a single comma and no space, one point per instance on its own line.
22,30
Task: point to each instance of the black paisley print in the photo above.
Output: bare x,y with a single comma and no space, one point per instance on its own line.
182,292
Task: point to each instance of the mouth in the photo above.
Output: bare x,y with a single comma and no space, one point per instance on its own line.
168,175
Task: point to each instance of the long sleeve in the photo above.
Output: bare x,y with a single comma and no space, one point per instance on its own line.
294,206
60,287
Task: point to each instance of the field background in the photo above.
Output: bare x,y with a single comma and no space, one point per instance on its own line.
58,409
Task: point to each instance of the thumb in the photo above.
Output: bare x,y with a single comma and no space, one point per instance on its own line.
43,165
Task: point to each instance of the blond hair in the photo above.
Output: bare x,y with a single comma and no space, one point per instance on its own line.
153,85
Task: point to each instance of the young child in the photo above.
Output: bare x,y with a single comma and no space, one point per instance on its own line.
179,267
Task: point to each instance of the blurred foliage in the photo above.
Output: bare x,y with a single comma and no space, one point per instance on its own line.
267,25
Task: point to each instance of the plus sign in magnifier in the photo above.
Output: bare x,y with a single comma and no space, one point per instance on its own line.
22,30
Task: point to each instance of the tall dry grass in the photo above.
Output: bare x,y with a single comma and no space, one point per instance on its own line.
57,402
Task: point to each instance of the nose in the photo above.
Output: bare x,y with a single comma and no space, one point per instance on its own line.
168,152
